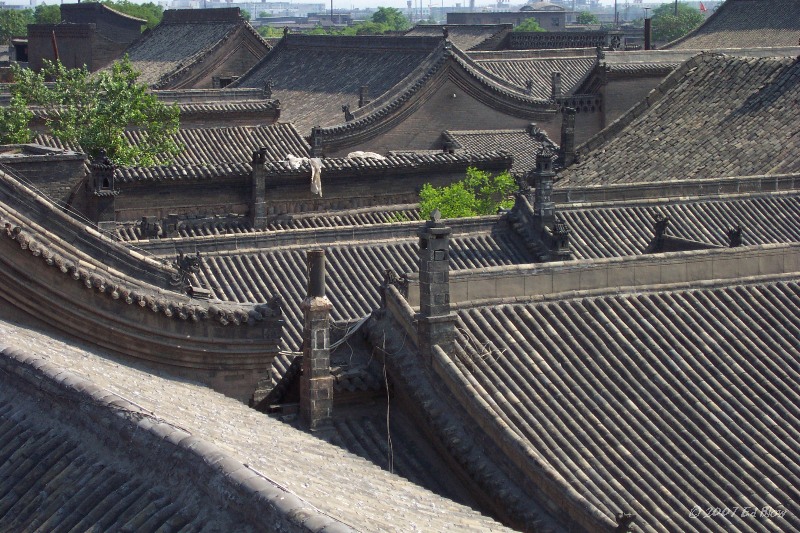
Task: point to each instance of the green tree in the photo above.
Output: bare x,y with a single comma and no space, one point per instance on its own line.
270,32
479,193
245,14
529,24
392,18
150,12
44,14
93,111
584,17
14,22
667,27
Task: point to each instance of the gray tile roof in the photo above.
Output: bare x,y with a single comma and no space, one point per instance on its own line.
652,403
607,231
314,76
183,39
715,116
519,70
214,146
465,36
745,24
57,476
522,144
354,270
328,482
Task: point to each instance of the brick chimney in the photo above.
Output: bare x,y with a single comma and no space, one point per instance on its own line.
567,136
258,190
316,383
555,84
543,206
363,96
436,323
102,191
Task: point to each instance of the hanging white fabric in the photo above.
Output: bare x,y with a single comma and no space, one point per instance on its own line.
364,155
316,176
316,170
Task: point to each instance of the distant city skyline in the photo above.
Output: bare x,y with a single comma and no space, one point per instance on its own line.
337,4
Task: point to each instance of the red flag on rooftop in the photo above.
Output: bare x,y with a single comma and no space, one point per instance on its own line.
702,8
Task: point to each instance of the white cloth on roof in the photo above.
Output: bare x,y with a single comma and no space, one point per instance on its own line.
316,176
365,155
316,170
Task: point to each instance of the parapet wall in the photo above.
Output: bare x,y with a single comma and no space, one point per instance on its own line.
519,283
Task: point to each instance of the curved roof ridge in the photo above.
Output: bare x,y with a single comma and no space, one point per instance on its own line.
390,102
124,275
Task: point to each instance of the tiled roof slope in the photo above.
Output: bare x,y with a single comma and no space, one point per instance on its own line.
745,24
519,70
354,271
211,152
658,404
326,479
214,146
522,144
606,231
314,76
183,39
464,36
331,166
56,477
713,117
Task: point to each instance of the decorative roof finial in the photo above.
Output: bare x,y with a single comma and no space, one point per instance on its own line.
436,216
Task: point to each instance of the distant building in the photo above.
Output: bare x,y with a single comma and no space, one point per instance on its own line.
551,17
89,34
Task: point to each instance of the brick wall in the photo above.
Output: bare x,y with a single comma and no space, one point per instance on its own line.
621,95
186,198
55,174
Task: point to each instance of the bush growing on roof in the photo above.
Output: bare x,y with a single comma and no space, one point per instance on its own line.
479,193
93,111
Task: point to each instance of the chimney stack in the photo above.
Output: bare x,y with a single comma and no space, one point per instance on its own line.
567,136
556,85
436,324
648,33
363,96
258,190
316,383
103,192
543,206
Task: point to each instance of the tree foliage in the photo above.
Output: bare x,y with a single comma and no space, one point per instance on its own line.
93,111
479,193
44,14
392,18
150,12
667,27
14,23
585,17
270,32
384,20
529,24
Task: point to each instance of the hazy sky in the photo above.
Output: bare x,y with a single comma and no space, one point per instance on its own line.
345,4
